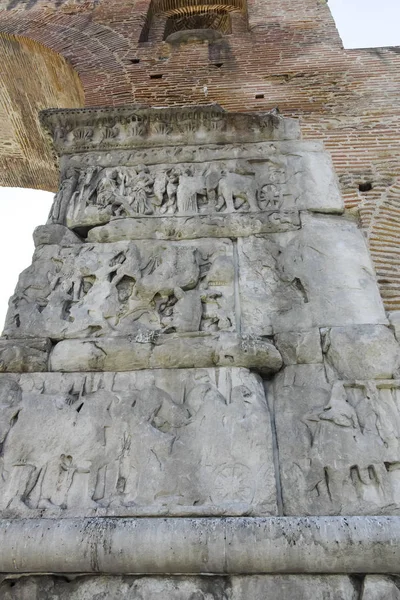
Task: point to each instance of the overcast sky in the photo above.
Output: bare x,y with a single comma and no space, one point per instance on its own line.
361,24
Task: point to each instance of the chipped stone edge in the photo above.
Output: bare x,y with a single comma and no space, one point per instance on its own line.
204,545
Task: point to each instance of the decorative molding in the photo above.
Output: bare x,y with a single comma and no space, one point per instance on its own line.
204,545
83,130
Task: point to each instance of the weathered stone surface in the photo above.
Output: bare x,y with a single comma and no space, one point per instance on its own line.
24,356
125,288
361,351
232,545
299,347
284,587
194,442
200,252
193,153
131,126
170,351
53,233
394,320
174,228
320,275
298,180
338,443
289,587
380,588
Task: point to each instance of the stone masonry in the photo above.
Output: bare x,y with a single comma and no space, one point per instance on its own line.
199,389
276,53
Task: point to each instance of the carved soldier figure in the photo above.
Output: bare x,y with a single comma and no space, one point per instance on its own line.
63,197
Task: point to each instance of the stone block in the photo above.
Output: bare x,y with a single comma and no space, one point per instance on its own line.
265,587
299,347
318,276
24,356
394,320
339,451
229,180
361,351
125,288
195,226
53,233
165,351
376,587
194,442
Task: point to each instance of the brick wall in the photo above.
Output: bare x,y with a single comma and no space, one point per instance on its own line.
287,52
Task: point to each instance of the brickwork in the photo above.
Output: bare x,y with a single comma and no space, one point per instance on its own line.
286,53
32,77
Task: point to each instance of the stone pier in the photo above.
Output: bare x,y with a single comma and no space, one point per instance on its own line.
199,389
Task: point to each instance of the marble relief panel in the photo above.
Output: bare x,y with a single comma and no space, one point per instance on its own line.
96,195
194,441
125,288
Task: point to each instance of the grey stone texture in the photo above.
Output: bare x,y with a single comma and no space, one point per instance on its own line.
207,546
300,347
361,351
194,226
338,443
171,351
381,588
191,442
24,355
307,278
96,195
54,233
125,288
197,373
335,587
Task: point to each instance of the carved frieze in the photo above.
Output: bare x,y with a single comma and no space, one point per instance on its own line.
267,587
343,452
82,130
95,195
150,442
125,288
238,224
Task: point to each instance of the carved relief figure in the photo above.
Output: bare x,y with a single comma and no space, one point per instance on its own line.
187,189
138,189
349,453
236,192
126,287
63,197
86,449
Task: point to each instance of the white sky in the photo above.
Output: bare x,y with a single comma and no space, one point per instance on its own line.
361,24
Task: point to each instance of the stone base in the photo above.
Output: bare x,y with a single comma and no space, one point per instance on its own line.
288,587
159,546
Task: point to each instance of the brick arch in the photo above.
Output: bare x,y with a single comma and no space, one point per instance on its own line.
380,218
96,51
34,77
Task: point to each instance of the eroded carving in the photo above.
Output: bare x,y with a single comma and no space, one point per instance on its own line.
125,288
82,130
95,195
136,443
306,279
346,459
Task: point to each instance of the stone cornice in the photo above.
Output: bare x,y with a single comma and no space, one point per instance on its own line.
88,129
